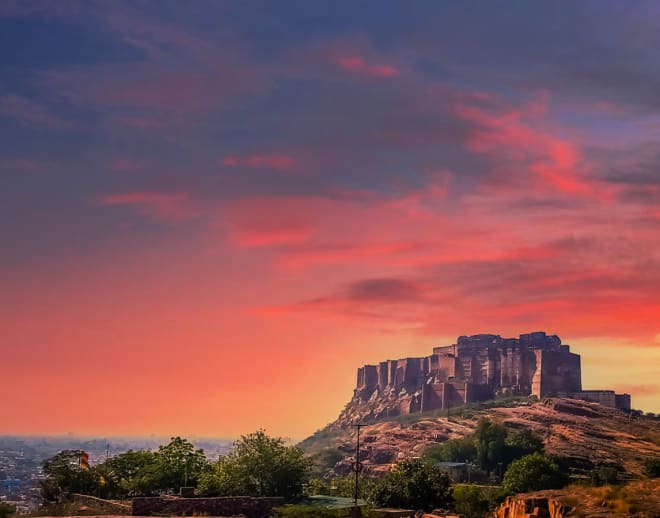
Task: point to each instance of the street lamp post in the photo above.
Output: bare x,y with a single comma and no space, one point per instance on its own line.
357,467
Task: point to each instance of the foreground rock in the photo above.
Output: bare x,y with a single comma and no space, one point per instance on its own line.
638,499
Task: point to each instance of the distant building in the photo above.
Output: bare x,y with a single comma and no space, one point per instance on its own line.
477,368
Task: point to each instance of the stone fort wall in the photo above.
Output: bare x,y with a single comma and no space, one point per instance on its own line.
477,368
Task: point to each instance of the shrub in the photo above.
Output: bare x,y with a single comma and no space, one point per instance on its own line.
6,510
453,450
471,501
324,460
652,467
413,484
533,473
603,474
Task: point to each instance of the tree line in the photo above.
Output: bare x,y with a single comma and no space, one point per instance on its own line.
260,465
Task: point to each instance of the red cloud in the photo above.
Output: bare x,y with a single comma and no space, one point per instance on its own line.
519,138
269,221
263,237
167,207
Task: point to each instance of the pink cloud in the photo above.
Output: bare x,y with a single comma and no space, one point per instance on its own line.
519,137
270,221
166,207
382,71
358,64
351,63
262,237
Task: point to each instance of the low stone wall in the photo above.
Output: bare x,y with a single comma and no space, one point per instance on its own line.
221,506
393,513
100,505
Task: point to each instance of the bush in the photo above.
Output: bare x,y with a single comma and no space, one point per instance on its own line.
324,460
413,484
471,502
533,473
453,450
6,510
492,447
340,486
603,474
652,467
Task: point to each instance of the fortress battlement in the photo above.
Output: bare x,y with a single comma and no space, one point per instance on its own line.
477,368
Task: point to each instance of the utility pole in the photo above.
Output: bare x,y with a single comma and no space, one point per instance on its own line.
357,465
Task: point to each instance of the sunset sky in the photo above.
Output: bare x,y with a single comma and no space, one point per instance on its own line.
211,213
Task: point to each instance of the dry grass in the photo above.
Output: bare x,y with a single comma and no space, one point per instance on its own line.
638,498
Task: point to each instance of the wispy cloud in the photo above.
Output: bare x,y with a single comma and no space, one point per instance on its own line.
160,206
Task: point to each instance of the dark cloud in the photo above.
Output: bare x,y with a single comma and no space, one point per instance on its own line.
386,290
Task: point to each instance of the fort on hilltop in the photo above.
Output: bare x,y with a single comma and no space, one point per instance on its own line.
478,368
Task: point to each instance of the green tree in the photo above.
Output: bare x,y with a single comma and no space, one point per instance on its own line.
133,473
470,501
490,442
413,484
259,465
533,473
178,464
453,450
523,442
65,473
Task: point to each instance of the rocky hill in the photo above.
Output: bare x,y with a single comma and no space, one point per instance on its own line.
639,499
586,433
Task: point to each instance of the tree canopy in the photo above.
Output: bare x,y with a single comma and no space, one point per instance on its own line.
533,473
259,465
413,484
489,446
66,473
132,473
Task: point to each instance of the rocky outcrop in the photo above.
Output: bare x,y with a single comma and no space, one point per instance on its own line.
636,499
522,506
586,434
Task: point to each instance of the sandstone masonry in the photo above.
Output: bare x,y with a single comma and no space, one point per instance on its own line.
477,368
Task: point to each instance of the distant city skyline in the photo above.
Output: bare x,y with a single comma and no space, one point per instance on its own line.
213,213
